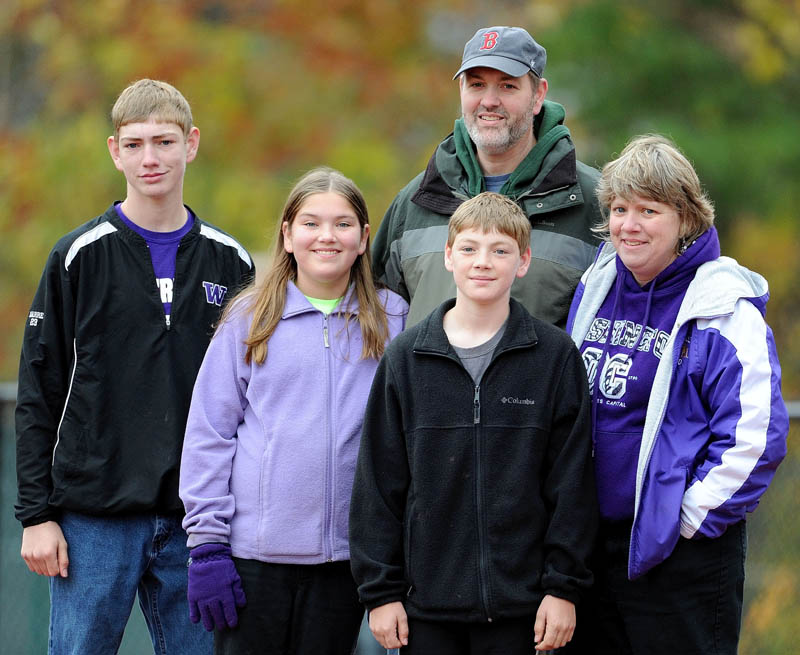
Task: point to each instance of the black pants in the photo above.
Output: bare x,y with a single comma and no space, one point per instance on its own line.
294,609
689,604
501,637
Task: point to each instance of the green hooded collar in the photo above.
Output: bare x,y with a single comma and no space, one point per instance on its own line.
548,127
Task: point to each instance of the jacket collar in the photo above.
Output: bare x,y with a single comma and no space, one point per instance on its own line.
714,291
296,302
432,339
112,217
453,174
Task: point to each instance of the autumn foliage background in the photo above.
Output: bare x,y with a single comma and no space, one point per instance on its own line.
365,86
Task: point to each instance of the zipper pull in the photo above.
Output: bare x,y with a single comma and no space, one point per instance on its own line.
476,405
325,331
684,351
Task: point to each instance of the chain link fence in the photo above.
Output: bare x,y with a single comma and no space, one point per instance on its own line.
771,621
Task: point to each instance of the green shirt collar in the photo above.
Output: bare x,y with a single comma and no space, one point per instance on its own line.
549,129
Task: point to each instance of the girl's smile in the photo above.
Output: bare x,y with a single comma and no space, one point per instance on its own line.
325,238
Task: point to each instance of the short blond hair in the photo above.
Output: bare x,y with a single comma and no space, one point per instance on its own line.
653,167
491,211
151,99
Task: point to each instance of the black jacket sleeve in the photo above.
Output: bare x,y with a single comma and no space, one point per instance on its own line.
44,376
569,487
380,491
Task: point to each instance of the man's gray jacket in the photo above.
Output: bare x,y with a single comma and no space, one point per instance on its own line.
554,189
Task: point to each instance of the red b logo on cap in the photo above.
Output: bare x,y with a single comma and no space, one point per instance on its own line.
489,41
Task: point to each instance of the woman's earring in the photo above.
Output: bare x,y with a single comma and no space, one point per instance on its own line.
683,244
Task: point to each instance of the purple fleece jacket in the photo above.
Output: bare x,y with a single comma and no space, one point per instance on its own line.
270,450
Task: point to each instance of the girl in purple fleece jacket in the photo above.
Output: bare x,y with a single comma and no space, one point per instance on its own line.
273,432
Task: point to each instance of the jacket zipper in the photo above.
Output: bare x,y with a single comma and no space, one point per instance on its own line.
329,447
640,483
167,317
483,557
542,194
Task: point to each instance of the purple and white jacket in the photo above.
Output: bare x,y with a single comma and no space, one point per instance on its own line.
716,424
270,449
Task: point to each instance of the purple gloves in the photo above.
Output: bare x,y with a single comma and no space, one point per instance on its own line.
215,588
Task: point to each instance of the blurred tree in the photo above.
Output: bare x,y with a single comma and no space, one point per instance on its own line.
771,624
278,87
721,79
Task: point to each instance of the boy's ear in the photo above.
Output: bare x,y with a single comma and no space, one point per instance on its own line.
113,150
192,144
448,257
524,262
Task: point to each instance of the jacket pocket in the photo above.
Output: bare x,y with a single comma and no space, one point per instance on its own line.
69,457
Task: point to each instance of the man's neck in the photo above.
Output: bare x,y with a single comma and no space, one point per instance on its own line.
155,214
508,160
468,324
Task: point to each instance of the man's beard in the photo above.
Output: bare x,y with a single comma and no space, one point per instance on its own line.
496,141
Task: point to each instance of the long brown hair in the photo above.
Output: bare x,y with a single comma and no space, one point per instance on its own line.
266,299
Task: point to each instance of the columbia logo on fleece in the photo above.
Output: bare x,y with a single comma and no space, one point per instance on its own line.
215,293
517,401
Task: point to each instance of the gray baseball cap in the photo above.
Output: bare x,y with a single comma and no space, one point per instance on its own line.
508,49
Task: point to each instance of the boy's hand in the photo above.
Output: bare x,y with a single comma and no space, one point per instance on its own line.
555,623
389,625
44,549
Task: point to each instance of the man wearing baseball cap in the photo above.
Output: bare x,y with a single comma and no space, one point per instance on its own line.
509,139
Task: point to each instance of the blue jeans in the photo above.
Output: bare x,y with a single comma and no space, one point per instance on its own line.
110,559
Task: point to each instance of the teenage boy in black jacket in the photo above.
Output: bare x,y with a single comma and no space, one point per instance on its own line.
474,508
114,339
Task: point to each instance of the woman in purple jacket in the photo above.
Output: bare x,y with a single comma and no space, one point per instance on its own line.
689,423
273,433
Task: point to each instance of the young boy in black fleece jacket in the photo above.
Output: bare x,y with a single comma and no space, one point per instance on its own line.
474,508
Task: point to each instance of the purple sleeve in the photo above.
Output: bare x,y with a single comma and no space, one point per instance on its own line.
573,308
734,358
218,406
